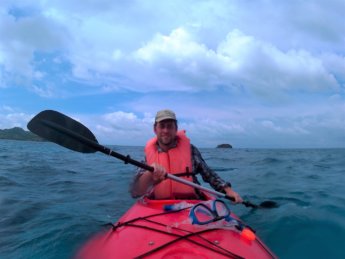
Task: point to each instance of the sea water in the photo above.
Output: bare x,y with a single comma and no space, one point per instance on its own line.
53,199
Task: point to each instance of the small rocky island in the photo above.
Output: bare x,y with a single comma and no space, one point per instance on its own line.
224,146
18,133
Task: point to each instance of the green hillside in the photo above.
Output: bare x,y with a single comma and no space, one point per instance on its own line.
17,133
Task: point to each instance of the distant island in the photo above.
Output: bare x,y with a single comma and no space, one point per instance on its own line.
224,146
18,133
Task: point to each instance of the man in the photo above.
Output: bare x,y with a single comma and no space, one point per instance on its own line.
171,151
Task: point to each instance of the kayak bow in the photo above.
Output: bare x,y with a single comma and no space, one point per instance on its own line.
146,230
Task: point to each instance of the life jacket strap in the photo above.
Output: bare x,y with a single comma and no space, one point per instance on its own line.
187,173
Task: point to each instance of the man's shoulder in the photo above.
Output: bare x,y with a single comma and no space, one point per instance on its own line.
194,149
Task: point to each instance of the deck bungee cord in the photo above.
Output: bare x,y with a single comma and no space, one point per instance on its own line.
189,234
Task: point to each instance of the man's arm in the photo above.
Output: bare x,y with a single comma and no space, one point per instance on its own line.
144,181
211,177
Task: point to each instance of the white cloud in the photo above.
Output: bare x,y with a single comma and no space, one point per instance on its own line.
6,108
97,48
336,65
177,46
239,61
12,117
120,116
252,127
255,126
46,91
22,38
226,69
290,129
120,128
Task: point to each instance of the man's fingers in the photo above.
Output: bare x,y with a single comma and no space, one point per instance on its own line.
159,173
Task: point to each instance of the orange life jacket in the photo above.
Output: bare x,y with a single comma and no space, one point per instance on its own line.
176,160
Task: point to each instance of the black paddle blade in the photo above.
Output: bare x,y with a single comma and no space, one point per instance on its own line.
263,205
60,129
269,204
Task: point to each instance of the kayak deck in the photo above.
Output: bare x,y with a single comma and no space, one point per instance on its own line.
147,231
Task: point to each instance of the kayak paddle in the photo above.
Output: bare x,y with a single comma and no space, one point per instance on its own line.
69,133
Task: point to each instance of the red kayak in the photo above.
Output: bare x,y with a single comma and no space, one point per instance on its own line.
177,229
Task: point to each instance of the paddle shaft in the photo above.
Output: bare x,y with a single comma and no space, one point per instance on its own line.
197,186
219,194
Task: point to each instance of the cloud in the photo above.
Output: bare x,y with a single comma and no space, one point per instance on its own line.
12,117
263,68
257,126
119,128
336,65
179,60
25,34
21,38
224,67
292,129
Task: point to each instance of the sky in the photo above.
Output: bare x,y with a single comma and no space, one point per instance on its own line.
255,74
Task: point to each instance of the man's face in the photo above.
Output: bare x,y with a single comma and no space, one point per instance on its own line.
166,132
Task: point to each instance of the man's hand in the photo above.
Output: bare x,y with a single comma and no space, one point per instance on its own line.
230,192
159,174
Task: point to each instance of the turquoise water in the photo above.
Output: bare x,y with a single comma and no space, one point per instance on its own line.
53,199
